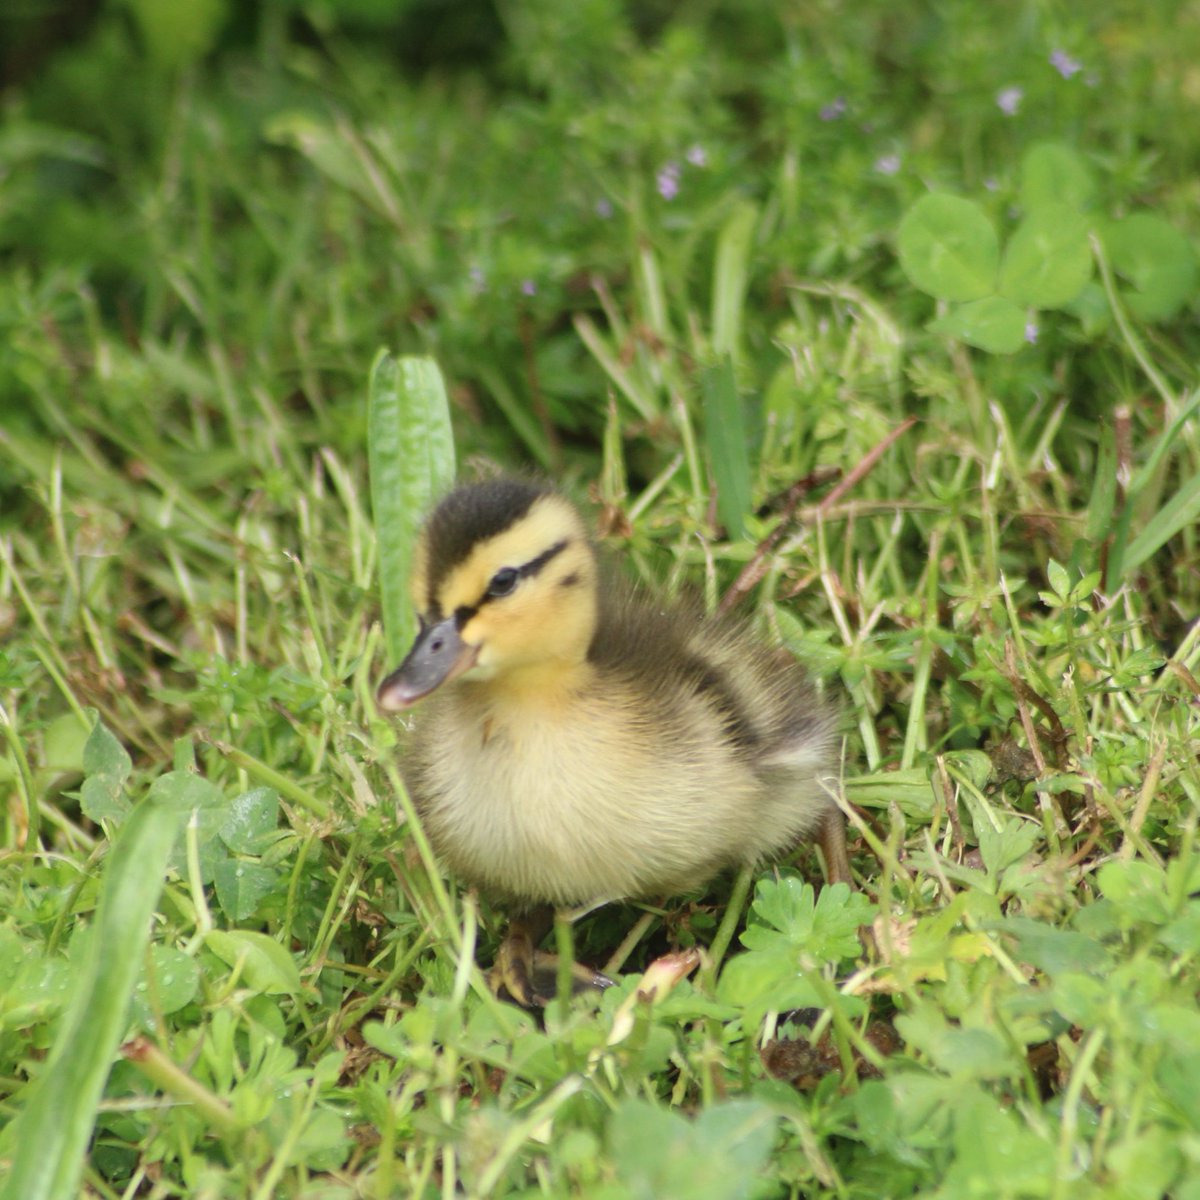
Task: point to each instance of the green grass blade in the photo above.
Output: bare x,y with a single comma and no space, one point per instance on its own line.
411,457
1163,444
729,277
613,365
525,424
725,433
56,1122
1180,511
1104,488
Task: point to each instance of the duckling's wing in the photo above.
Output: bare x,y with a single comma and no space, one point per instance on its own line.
652,651
678,656
794,724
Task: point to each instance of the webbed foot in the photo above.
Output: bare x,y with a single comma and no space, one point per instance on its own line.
529,977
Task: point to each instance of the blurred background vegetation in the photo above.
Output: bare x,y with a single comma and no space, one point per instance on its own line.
655,249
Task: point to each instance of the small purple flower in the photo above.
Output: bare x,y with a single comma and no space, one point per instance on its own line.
697,155
604,208
1064,64
888,164
1031,332
478,280
834,109
528,287
668,181
992,183
1008,100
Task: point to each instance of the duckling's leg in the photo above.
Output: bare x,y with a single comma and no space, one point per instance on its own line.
513,970
831,837
529,975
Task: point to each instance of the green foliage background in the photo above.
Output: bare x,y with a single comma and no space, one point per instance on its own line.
699,262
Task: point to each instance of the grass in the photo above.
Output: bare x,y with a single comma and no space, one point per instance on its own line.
1002,595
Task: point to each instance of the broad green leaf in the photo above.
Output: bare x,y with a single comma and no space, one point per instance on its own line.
64,742
56,1112
1056,951
785,906
1082,999
913,1109
1176,1025
387,1039
106,765
758,980
1057,784
1060,581
1140,663
1157,261
1137,890
729,277
178,35
948,248
1148,1164
1053,174
206,806
1001,848
185,791
32,987
1183,877
957,1050
994,324
1099,919
972,765
1048,259
909,789
252,821
990,1145
265,965
12,948
241,885
1091,309
324,1144
1177,1074
792,917
1183,934
660,1153
725,435
169,982
411,455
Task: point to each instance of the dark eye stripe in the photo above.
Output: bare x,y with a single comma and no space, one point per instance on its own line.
531,568
534,565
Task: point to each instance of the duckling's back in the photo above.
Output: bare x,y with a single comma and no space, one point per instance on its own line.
769,709
702,671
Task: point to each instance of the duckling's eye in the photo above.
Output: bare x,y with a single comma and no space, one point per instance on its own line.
503,582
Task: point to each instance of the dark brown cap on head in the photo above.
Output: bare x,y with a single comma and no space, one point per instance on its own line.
471,514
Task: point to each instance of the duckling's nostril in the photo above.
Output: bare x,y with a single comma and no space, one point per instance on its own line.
436,645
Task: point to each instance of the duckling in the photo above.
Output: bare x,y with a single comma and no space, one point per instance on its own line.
582,744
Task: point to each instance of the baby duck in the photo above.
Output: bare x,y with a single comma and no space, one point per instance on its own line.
584,744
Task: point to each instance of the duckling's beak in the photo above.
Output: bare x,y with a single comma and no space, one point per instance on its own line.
438,655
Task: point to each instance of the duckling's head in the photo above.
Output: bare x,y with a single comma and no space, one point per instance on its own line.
504,580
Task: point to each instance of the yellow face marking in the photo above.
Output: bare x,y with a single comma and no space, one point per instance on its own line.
549,617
